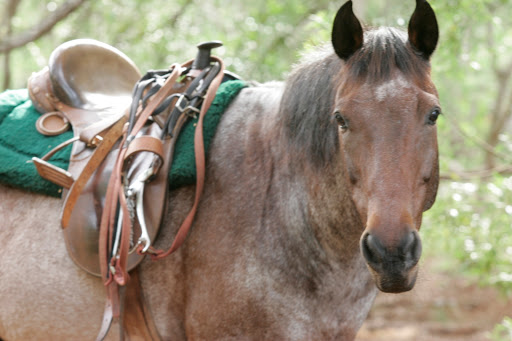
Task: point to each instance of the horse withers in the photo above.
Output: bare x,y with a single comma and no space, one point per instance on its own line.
313,199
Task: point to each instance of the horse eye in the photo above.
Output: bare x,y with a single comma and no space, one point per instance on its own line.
432,116
342,122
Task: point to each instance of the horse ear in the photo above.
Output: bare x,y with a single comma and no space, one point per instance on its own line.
347,33
423,30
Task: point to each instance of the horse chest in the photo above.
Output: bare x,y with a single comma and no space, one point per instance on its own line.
251,303
337,310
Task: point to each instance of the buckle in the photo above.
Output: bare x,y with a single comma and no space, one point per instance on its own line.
184,107
95,142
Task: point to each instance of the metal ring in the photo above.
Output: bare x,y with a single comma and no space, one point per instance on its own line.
52,123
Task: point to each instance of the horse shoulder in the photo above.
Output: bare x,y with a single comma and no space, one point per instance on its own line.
218,222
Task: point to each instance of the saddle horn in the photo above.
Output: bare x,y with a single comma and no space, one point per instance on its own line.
203,54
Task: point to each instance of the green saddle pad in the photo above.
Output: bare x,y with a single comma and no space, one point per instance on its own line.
20,141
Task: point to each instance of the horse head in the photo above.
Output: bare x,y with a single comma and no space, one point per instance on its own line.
386,108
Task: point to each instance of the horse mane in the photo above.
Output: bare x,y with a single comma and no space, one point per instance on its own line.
308,99
306,106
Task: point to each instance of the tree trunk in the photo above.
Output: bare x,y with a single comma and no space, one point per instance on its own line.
501,112
10,11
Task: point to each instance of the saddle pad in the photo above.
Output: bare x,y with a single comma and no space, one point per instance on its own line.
20,141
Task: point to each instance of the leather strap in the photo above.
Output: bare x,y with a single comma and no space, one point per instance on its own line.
115,194
106,322
89,134
109,139
200,167
59,147
145,144
108,313
157,99
111,200
137,322
137,318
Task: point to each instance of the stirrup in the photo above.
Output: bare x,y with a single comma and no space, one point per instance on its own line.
51,172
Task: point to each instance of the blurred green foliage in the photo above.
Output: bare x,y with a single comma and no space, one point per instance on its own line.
502,331
469,230
470,225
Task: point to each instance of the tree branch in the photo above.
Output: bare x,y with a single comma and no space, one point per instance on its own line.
501,111
43,27
476,174
506,113
278,39
489,149
491,44
173,20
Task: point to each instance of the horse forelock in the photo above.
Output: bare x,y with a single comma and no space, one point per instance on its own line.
385,50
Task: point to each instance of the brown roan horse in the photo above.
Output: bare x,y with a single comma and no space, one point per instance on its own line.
314,195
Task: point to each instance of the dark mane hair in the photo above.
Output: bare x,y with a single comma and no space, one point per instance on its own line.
306,106
386,49
307,103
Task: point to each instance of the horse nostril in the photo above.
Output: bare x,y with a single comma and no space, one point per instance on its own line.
408,242
411,247
372,249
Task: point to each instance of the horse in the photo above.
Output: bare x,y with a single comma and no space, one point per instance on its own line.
314,195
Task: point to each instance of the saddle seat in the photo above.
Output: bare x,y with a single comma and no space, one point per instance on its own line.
86,81
91,75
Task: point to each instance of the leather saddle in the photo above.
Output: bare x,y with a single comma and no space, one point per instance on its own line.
89,85
124,131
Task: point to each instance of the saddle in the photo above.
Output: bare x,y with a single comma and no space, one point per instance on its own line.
124,131
88,86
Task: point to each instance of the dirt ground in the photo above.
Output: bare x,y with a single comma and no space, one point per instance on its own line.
442,307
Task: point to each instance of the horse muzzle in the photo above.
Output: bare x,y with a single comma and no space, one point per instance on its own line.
393,267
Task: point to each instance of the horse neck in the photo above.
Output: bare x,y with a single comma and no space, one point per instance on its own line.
318,204
311,232
285,191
